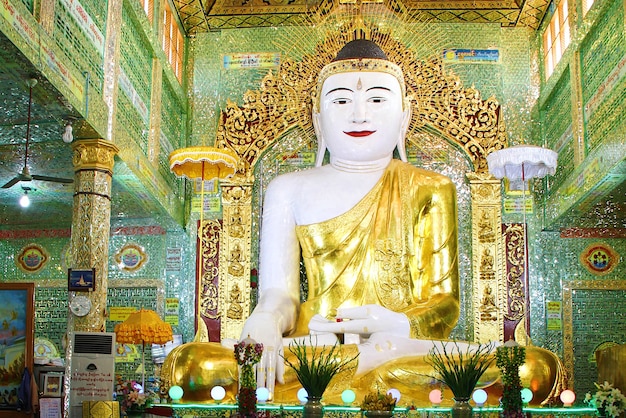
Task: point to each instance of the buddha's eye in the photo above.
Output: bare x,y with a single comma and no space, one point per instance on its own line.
377,99
341,101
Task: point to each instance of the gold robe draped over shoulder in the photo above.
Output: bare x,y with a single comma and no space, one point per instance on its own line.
396,248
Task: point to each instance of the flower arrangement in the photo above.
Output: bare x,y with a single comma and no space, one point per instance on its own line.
131,397
378,402
509,358
315,366
609,401
247,353
460,369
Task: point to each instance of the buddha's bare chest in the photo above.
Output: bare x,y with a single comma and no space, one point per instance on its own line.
327,199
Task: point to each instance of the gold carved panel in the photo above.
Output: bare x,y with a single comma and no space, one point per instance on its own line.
234,270
489,292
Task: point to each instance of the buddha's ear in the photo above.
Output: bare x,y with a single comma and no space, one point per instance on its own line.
321,144
401,145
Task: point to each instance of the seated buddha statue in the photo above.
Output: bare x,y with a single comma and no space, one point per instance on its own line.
378,238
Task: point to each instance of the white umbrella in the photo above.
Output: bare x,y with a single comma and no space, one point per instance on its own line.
522,162
518,164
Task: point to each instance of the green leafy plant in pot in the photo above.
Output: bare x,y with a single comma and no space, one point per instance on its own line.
315,367
460,369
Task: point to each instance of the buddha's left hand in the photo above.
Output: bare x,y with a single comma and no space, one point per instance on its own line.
363,320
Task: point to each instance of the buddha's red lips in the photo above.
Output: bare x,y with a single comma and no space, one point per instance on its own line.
359,134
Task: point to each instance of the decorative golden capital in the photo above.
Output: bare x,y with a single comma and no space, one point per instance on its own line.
94,154
484,177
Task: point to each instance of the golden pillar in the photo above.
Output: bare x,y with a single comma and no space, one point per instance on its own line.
234,270
93,162
489,294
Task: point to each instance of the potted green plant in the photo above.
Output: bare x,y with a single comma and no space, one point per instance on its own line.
378,405
460,370
314,368
509,358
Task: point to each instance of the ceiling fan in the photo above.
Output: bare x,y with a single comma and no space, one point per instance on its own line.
25,174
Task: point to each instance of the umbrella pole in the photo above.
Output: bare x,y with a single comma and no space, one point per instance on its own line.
201,234
143,367
525,263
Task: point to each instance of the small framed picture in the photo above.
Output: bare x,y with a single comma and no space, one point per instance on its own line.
52,384
82,280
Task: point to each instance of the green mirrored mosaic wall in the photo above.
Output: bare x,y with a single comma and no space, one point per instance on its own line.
535,111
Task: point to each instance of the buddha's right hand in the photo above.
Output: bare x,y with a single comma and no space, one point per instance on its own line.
263,327
363,320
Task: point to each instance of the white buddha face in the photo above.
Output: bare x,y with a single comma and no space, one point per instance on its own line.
361,116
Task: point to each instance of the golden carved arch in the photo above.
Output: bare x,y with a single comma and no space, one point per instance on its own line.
440,104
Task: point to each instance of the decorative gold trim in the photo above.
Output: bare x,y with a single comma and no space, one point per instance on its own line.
93,161
516,275
94,154
568,315
208,301
226,14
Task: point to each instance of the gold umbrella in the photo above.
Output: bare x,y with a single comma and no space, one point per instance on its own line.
205,163
143,327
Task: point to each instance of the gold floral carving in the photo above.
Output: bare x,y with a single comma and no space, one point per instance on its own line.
439,103
94,154
515,277
208,302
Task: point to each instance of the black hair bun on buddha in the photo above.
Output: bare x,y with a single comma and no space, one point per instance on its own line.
359,49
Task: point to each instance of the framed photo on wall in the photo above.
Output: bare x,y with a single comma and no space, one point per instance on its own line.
18,317
52,384
81,280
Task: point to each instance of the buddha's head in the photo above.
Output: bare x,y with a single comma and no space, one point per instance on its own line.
360,108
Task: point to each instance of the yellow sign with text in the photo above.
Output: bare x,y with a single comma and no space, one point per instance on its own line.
120,313
171,311
553,311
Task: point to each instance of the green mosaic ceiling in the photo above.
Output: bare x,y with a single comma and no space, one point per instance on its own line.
198,16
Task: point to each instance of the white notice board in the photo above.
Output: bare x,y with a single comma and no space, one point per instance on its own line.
50,408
